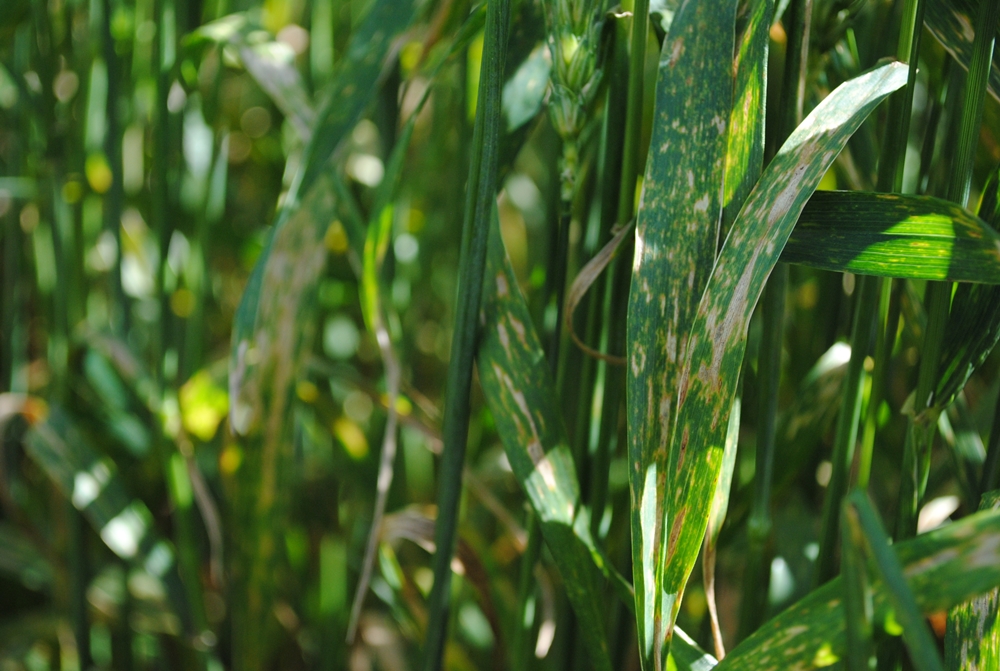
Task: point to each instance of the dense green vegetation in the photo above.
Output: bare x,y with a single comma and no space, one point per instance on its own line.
391,334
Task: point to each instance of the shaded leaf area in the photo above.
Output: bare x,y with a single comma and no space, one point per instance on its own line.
267,364
892,235
350,92
677,232
93,486
974,323
867,553
942,568
953,23
712,360
352,86
522,399
972,639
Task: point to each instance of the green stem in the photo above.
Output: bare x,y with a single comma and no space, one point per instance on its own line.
885,340
991,467
846,431
633,111
479,209
753,607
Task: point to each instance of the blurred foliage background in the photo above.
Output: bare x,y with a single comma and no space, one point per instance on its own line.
145,149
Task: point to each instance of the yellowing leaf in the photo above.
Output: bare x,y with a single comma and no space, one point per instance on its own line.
203,405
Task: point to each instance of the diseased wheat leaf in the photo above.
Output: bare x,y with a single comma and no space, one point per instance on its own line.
677,233
522,398
745,152
952,22
942,568
524,405
892,235
711,362
972,639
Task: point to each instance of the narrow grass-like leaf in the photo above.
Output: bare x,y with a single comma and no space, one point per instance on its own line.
272,66
677,234
943,567
479,206
974,323
858,604
953,23
867,528
352,87
714,354
972,639
892,235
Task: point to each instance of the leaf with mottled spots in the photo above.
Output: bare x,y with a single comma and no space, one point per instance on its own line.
745,152
677,233
943,568
714,353
522,399
893,235
972,639
953,23
521,396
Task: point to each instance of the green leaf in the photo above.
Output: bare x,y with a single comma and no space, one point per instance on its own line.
716,517
480,205
943,567
677,234
272,65
974,323
521,397
972,639
92,484
892,235
863,529
353,85
523,93
953,23
745,152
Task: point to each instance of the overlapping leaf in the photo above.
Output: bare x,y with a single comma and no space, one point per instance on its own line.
953,23
972,639
893,235
710,364
943,568
677,234
522,398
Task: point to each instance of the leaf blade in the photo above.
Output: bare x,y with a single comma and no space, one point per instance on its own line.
677,233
